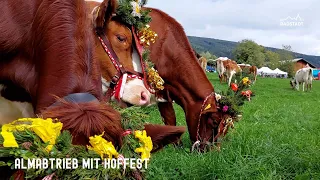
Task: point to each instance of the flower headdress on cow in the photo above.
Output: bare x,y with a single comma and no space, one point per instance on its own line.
36,138
229,103
131,13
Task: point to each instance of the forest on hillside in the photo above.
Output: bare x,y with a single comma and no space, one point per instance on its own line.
222,48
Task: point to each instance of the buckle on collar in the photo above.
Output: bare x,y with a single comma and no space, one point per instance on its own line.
114,81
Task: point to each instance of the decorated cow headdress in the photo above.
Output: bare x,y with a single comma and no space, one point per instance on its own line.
130,12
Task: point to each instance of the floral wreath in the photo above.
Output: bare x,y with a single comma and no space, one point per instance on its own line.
42,138
229,102
130,12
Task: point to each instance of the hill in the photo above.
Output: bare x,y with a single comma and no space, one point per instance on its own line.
222,48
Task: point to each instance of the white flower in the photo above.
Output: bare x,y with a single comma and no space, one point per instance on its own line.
135,9
218,97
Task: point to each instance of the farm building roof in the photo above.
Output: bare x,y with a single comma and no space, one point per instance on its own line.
301,59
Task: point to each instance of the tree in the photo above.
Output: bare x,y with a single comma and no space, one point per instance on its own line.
249,52
286,57
286,53
211,62
208,55
273,59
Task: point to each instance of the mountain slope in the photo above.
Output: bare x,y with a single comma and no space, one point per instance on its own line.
222,48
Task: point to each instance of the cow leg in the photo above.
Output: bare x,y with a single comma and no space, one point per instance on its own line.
169,117
310,86
303,84
167,113
230,77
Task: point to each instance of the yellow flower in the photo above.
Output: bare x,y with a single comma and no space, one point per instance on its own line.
147,144
7,133
102,146
9,140
47,131
245,81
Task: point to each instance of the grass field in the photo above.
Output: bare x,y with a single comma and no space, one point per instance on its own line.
277,138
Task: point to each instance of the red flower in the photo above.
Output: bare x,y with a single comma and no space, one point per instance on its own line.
234,87
247,93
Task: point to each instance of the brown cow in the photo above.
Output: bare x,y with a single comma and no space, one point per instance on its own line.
186,82
203,63
48,50
226,69
173,57
250,69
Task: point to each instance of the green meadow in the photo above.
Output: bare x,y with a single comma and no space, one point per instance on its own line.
277,138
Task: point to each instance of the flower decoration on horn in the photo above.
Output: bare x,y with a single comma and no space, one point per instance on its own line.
131,12
155,79
135,8
147,36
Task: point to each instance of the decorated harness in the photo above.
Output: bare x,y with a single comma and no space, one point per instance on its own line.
142,37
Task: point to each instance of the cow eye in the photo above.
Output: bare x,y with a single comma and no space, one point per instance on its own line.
121,38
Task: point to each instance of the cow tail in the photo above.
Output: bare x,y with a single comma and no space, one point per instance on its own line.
310,76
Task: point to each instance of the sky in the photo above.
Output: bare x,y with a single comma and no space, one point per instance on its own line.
258,20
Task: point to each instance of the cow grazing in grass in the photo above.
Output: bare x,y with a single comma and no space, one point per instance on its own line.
250,69
48,57
185,81
221,69
227,69
203,63
202,60
303,76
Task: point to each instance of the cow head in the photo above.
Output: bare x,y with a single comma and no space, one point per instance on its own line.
293,83
130,89
214,123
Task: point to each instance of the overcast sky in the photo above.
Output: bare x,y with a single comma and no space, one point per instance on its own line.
258,20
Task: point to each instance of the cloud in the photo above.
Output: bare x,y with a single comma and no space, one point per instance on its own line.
235,20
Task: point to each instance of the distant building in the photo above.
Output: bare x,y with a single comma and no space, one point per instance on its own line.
300,63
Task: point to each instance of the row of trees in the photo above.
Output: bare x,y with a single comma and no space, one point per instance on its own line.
249,52
210,57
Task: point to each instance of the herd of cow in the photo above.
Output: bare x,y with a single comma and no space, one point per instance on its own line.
67,59
227,68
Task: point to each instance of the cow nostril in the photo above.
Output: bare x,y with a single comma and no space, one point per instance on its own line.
144,96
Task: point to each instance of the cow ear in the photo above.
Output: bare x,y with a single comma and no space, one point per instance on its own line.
210,106
162,135
103,13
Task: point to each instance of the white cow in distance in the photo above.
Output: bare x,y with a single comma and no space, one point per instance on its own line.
303,76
